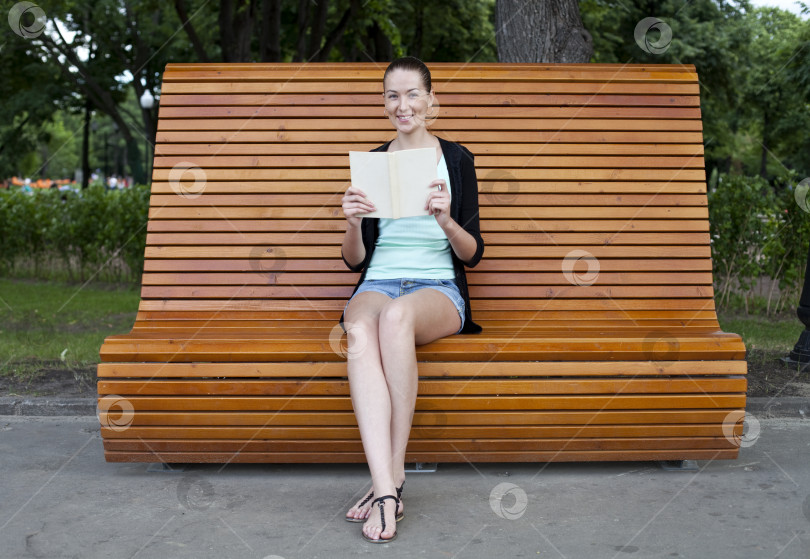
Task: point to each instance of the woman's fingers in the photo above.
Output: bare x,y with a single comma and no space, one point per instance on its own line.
355,201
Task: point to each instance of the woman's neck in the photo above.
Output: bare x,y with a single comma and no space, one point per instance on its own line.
415,140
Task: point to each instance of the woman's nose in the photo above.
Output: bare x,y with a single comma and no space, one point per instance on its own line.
403,103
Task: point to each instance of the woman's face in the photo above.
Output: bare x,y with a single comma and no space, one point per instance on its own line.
406,100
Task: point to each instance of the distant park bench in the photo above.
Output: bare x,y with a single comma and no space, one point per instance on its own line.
600,338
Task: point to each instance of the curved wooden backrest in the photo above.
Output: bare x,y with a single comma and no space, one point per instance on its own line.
591,180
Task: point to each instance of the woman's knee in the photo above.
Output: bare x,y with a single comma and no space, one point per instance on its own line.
361,334
394,318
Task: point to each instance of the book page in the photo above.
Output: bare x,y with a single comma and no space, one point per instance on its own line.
416,169
396,182
370,174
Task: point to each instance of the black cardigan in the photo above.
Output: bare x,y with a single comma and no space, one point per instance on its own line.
463,210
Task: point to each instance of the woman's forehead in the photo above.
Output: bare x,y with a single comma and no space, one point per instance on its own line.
403,80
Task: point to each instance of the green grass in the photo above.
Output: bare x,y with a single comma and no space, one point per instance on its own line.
763,333
57,321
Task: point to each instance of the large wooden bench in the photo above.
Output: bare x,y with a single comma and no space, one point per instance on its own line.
236,354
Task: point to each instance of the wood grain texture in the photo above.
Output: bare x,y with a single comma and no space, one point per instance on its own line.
236,354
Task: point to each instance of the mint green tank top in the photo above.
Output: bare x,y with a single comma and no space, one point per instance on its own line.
413,247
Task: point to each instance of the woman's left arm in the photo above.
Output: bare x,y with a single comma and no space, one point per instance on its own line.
465,237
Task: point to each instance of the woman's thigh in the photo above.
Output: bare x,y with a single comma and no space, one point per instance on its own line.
365,306
432,314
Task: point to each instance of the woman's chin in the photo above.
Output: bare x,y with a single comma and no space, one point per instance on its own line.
408,126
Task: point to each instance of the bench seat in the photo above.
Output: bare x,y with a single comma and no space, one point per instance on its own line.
236,354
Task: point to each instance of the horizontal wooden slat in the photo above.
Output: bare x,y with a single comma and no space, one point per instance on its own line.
513,251
450,456
429,369
241,263
502,196
511,225
567,291
491,239
583,210
525,317
442,445
374,87
288,140
271,306
445,125
483,99
534,346
470,403
281,387
350,278
352,112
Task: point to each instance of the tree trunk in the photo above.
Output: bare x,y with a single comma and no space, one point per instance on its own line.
382,47
541,31
270,32
236,29
337,32
86,144
303,22
182,13
318,29
419,28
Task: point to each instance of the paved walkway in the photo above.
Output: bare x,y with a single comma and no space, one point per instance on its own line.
59,498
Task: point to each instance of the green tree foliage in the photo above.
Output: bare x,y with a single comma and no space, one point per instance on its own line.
32,92
748,61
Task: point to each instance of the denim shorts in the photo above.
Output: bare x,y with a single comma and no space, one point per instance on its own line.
402,286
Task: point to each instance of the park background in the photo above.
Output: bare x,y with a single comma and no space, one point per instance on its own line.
81,87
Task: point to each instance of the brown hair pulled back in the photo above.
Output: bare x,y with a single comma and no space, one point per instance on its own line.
413,64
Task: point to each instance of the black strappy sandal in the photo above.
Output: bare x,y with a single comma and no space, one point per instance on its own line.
382,519
400,515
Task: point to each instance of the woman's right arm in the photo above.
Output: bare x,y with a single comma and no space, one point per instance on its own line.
354,202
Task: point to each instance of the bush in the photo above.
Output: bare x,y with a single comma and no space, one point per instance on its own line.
758,232
92,234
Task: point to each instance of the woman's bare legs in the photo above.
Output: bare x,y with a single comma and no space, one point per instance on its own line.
383,384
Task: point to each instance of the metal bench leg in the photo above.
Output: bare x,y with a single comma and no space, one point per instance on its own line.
678,465
421,467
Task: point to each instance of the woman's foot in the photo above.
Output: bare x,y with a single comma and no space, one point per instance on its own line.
381,526
361,509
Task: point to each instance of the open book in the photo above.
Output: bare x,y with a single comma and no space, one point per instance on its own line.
397,182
